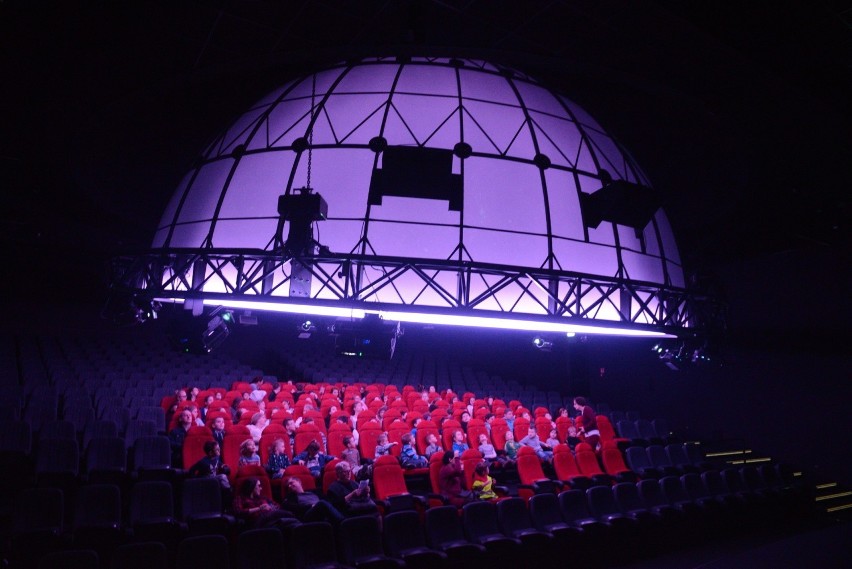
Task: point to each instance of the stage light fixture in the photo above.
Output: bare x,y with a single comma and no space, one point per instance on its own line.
218,329
542,344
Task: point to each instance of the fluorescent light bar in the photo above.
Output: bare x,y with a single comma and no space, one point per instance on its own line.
316,310
437,319
512,324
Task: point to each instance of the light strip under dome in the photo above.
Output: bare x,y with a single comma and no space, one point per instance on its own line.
436,319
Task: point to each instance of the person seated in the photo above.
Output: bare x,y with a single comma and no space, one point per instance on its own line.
313,459
256,509
432,445
351,455
511,447
307,506
383,446
178,435
532,441
483,484
408,457
459,446
218,429
278,460
489,453
248,453
572,438
258,423
349,497
211,465
552,440
464,420
451,480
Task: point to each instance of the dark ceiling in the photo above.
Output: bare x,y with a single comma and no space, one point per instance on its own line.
739,112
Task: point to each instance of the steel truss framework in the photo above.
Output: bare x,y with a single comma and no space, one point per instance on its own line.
452,287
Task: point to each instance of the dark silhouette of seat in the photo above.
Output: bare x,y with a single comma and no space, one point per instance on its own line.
404,539
661,462
201,507
311,545
142,555
613,463
640,463
360,542
152,513
261,548
70,559
208,551
58,464
444,532
106,461
566,469
37,524
515,521
481,526
97,518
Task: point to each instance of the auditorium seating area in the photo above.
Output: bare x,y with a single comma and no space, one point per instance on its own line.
90,480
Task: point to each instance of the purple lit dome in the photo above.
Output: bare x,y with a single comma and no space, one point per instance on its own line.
433,159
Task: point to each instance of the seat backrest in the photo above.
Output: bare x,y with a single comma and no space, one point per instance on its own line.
107,453
587,460
230,450
360,539
658,457
694,486
715,483
564,463
39,509
58,456
574,507
388,477
97,505
479,520
646,429
613,461
442,525
152,500
651,493
305,434
677,455
424,429
261,547
309,483
368,437
402,531
529,466
522,428
312,545
637,459
449,427
513,516
209,551
673,490
544,510
469,459
395,432
201,497
476,427
627,429
336,433
499,428
627,496
193,449
152,452
602,502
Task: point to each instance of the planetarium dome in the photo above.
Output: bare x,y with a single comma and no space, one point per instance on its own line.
453,187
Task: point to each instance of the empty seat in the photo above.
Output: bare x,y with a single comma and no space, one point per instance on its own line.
640,463
106,460
404,539
481,526
201,507
360,542
152,513
444,532
566,468
97,517
515,521
70,559
261,548
208,551
312,545
143,555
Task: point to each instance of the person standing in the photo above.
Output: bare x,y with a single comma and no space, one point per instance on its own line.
590,422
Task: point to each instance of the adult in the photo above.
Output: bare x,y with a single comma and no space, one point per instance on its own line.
177,437
307,506
258,423
590,422
256,509
451,480
348,496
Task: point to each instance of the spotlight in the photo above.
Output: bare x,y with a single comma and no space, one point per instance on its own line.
542,344
218,329
305,329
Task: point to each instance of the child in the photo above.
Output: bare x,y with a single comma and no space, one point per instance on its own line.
572,439
248,453
488,451
459,446
351,455
483,484
382,445
511,446
432,445
278,460
408,456
552,440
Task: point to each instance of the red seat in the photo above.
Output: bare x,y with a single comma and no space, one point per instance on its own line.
368,437
231,450
566,468
329,475
424,429
476,427
305,434
522,428
395,432
303,474
449,427
470,458
587,460
388,478
336,433
499,428
613,463
193,447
